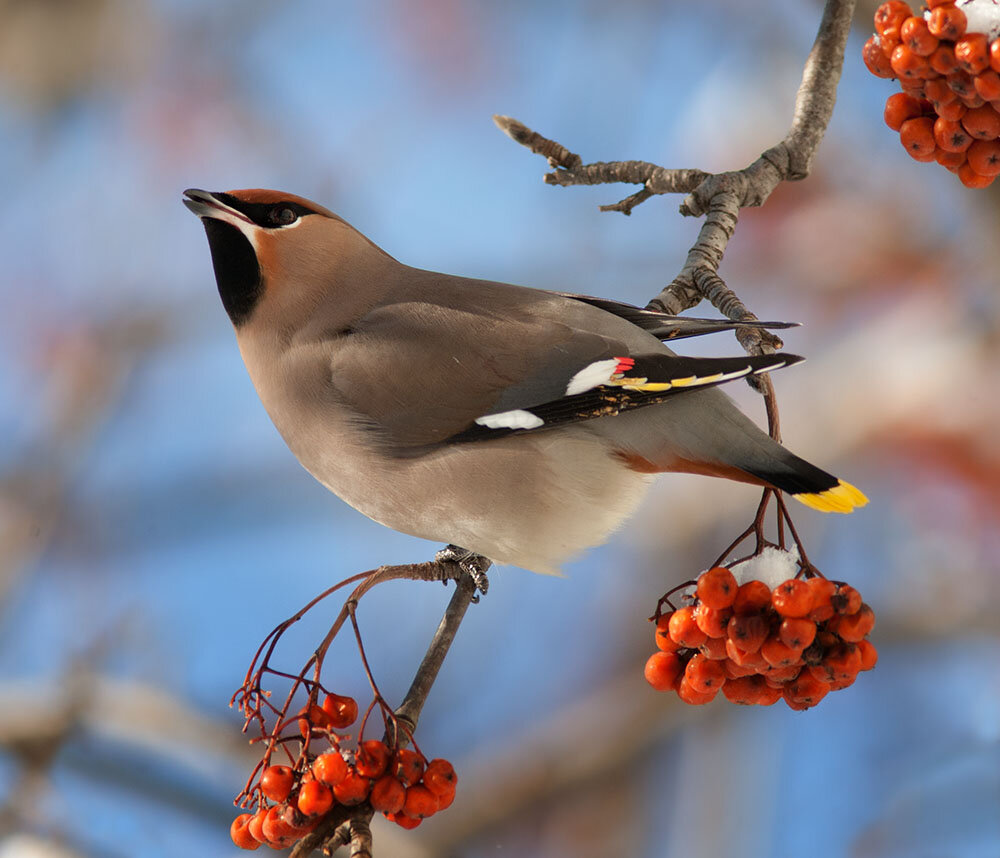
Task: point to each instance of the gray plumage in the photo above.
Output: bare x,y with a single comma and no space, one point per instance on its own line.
377,375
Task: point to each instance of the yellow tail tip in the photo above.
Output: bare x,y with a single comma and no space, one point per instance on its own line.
843,497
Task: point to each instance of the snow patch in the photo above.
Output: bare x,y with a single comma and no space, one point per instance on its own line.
772,566
983,16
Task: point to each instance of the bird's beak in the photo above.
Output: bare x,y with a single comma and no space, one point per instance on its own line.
205,204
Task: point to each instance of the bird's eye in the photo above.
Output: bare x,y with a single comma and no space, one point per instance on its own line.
282,216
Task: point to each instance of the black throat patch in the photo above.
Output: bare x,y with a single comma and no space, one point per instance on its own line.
236,270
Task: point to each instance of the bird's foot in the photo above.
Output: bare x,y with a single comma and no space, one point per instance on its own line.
475,565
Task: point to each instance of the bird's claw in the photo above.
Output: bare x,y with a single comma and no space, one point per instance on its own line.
474,565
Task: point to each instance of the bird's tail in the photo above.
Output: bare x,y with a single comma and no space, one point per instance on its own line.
808,484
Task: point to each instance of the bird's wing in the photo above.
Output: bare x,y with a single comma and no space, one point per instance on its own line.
664,326
420,374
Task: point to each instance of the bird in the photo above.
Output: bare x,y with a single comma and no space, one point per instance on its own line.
519,424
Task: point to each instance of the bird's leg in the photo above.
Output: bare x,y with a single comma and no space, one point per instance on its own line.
475,565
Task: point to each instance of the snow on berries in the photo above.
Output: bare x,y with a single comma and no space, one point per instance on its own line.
797,640
328,773
947,61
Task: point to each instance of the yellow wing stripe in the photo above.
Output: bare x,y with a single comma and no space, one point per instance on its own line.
646,386
843,497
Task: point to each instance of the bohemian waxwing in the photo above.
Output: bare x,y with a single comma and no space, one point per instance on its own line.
520,424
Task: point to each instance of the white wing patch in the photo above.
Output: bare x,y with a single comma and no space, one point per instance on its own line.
516,419
591,376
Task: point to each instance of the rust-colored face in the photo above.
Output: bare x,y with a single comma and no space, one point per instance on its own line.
246,232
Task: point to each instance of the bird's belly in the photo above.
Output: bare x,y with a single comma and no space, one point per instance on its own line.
530,501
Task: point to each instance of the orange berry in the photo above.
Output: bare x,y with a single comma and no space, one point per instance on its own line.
778,654
915,34
949,160
314,717
256,825
315,798
840,662
372,759
713,621
420,802
805,691
276,782
747,631
388,794
694,697
797,632
342,711
714,648
409,766
971,179
933,4
752,598
778,676
960,83
995,55
353,789
241,834
793,598
769,695
908,65
869,655
704,675
330,768
914,88
846,600
439,777
943,59
899,107
734,670
663,669
938,92
972,53
662,636
684,630
745,690
889,18
951,136
839,684
744,658
947,22
717,588
951,109
983,123
445,798
822,593
853,627
274,828
403,821
973,100
987,85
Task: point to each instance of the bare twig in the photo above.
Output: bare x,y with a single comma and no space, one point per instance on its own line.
718,196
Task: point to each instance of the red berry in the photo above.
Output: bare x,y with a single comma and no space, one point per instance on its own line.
315,798
747,631
409,766
778,654
704,675
663,669
692,696
372,759
353,789
889,18
420,802
274,828
276,782
899,107
853,627
342,711
972,53
717,588
951,136
403,821
793,598
752,597
947,22
330,768
388,794
440,777
971,179
869,655
915,34
241,834
662,637
713,621
684,630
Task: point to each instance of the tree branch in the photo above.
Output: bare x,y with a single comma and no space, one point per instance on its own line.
718,196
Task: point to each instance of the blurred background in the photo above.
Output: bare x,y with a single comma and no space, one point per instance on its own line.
153,526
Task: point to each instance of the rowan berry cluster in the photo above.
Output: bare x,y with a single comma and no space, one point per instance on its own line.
797,642
947,61
293,799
